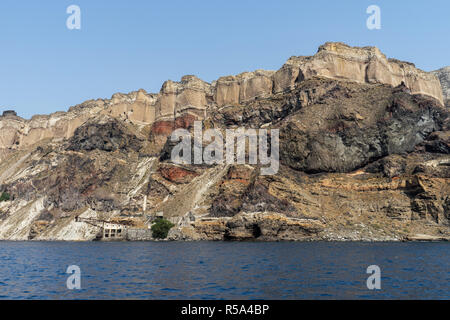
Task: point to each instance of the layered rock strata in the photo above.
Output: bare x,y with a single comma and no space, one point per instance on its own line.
192,98
364,155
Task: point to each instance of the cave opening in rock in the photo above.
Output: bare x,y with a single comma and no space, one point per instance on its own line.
256,231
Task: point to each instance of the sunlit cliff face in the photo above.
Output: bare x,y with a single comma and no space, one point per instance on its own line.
364,150
193,96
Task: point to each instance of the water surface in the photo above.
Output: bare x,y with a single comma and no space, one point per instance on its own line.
224,270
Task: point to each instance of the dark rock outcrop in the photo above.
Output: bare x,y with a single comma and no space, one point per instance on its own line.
106,134
341,133
9,113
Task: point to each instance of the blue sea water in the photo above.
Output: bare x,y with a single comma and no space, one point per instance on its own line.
224,270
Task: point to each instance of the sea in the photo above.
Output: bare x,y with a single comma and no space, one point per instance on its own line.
224,270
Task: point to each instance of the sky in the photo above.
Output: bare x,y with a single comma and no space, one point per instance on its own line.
123,46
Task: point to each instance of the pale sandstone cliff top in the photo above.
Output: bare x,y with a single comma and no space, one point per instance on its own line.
337,60
333,60
323,64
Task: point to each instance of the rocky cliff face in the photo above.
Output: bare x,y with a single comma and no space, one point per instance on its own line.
364,155
192,96
444,77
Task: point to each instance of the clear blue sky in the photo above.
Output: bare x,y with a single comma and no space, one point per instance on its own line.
126,45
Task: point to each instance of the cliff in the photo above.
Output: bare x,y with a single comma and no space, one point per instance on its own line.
192,96
444,77
364,155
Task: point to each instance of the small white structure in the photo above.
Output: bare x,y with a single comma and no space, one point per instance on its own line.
113,231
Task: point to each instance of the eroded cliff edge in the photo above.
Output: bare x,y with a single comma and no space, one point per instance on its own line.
193,96
364,152
443,75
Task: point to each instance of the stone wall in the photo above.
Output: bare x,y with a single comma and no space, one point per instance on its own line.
139,234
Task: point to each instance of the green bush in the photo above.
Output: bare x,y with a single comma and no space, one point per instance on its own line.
161,228
5,197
